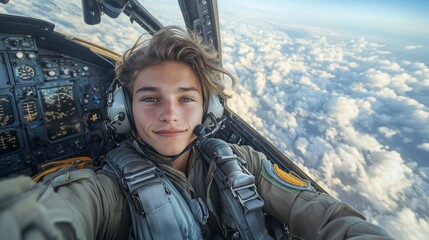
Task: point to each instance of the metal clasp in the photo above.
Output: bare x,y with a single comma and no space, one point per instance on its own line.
248,197
138,179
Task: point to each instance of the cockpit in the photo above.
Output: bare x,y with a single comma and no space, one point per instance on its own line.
54,87
52,97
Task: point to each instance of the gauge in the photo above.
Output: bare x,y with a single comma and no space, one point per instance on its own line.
30,110
24,72
19,55
8,142
61,105
92,117
6,112
31,55
60,112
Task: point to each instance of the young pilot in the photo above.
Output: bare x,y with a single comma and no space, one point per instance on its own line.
161,183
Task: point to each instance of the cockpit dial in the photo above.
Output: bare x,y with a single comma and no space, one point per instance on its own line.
25,72
60,112
59,105
6,112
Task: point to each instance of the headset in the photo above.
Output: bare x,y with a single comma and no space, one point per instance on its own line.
119,109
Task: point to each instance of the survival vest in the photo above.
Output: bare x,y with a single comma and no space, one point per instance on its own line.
161,210
158,210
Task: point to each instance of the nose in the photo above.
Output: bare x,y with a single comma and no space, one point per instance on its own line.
169,111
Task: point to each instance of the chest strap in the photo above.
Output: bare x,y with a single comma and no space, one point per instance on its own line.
237,191
158,210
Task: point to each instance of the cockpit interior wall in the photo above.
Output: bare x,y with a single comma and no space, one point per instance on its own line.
52,98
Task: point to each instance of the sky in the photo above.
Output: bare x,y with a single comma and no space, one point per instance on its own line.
394,21
340,87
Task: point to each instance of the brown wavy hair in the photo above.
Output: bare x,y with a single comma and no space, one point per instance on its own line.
173,43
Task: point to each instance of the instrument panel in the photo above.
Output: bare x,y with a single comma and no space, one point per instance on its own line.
52,104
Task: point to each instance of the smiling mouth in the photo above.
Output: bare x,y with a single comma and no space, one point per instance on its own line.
170,133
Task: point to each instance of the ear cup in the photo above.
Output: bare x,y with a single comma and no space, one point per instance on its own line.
119,111
129,108
215,107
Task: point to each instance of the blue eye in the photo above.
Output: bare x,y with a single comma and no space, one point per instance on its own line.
186,99
149,99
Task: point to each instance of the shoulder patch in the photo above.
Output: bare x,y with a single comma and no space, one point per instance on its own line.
284,178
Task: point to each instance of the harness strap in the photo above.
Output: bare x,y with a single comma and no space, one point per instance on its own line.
158,210
242,204
143,187
244,208
198,207
209,181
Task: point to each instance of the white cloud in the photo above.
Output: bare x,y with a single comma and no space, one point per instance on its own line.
407,222
322,74
260,83
244,102
305,80
412,47
301,145
275,77
343,110
338,107
388,177
424,146
387,132
243,49
377,78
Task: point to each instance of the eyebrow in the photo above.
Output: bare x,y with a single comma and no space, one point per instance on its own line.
147,89
157,89
188,89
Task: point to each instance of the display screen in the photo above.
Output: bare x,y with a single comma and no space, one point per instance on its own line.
6,112
8,142
30,110
60,112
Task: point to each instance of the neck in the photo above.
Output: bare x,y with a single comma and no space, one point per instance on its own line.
181,163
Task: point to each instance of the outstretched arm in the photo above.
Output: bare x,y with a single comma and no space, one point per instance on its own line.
307,213
75,205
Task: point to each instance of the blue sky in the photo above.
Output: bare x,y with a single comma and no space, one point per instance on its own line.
384,19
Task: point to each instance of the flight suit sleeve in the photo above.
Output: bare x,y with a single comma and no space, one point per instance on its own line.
307,213
78,204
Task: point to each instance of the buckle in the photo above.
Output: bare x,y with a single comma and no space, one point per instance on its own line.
248,197
137,179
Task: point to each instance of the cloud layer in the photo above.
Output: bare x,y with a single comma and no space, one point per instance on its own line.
348,111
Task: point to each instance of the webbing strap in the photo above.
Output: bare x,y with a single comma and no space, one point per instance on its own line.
147,193
245,206
252,204
159,213
237,190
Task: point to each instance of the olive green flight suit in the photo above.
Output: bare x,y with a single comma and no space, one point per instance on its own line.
82,204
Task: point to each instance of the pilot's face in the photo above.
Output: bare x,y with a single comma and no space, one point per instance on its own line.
167,105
